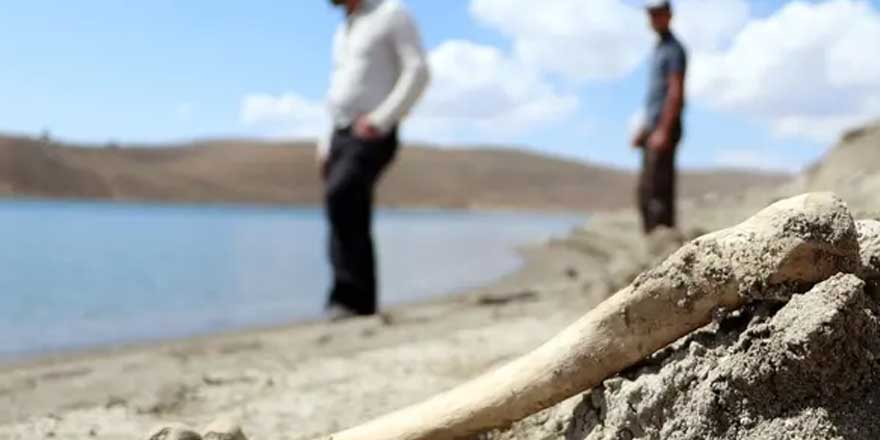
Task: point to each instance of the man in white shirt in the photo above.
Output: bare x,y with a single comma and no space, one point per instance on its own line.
379,73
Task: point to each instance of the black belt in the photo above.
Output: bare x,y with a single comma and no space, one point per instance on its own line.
347,130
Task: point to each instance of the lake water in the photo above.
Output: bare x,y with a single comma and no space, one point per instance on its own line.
76,275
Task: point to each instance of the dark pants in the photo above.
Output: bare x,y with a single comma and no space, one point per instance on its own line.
656,191
353,169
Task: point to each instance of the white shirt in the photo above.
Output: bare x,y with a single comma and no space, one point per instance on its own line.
379,66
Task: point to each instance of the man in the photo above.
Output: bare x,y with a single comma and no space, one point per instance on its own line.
379,73
660,135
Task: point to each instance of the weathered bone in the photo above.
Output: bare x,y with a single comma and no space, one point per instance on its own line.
794,243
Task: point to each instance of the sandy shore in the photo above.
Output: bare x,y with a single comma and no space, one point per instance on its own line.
309,379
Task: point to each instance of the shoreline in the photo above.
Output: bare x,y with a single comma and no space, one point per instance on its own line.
426,346
113,334
530,254
258,206
527,264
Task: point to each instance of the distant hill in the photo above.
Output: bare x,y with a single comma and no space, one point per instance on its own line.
249,171
851,169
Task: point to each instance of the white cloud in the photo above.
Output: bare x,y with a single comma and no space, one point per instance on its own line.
808,70
602,40
710,25
477,94
285,115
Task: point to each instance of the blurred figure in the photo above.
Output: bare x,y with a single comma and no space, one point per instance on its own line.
662,130
379,73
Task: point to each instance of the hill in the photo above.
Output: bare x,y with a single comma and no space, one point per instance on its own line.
250,171
852,169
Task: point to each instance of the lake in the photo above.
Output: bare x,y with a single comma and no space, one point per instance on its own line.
79,275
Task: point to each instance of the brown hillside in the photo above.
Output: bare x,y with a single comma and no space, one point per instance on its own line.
32,168
852,168
247,171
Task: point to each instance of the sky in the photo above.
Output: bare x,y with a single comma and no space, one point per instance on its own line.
771,84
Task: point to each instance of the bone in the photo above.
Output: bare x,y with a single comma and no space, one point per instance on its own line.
790,245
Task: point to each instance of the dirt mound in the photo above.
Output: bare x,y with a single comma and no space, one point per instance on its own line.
808,368
855,157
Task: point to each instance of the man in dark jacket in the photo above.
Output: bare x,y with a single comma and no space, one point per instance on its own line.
662,130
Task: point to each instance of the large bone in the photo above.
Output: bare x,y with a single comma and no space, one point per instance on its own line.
793,244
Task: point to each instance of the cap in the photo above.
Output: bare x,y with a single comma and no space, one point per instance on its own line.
657,4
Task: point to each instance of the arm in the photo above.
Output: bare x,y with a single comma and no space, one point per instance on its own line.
414,76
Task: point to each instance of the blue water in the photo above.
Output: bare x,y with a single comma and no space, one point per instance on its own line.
76,275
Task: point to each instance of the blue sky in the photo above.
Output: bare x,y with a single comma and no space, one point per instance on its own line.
99,70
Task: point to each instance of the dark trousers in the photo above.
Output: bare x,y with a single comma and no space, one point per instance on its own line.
353,169
657,185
